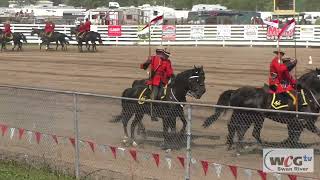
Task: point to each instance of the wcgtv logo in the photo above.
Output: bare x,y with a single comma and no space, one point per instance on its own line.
288,160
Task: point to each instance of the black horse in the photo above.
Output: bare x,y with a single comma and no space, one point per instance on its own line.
17,37
188,82
90,36
56,37
253,97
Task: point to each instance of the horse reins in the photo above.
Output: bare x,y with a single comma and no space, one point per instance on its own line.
174,97
314,98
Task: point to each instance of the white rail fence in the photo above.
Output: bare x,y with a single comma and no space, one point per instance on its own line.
236,35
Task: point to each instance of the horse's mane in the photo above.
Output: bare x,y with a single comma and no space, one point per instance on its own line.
308,74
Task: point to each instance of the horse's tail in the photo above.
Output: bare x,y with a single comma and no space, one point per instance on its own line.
224,100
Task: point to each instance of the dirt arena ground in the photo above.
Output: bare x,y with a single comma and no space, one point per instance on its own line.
113,69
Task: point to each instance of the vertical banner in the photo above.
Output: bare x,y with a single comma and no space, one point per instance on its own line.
168,32
273,32
223,32
94,28
251,32
197,32
143,34
114,30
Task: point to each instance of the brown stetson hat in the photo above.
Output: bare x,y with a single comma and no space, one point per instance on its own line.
279,52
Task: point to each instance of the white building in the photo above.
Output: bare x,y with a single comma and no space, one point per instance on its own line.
208,7
150,12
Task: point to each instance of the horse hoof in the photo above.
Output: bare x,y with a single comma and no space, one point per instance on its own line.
134,144
125,139
164,146
183,131
259,141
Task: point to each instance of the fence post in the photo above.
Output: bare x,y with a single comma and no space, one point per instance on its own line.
188,142
76,132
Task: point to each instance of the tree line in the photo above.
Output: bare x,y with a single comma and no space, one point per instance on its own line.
244,5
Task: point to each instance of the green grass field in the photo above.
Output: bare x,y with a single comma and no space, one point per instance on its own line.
13,171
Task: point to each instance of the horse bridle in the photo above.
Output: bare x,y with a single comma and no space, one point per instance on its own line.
314,98
188,93
174,97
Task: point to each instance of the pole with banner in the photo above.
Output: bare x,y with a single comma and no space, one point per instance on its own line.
291,26
150,71
296,69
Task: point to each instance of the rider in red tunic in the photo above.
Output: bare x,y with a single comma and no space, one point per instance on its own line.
161,71
280,79
87,25
82,30
49,28
7,30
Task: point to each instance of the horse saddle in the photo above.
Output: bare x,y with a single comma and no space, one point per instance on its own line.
8,37
281,100
82,35
49,35
146,94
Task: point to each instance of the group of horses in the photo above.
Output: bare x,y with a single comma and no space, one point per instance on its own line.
90,39
192,83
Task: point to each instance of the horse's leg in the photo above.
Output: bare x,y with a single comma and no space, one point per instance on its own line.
20,46
62,46
57,45
125,121
258,124
313,128
137,119
183,120
142,130
87,45
94,46
14,46
165,124
294,131
232,126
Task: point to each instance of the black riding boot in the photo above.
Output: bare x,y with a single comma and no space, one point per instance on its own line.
154,96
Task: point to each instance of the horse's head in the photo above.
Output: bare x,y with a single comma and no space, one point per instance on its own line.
192,81
34,31
310,80
23,37
73,30
318,72
196,82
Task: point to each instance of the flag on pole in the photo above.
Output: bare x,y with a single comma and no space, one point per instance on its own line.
288,27
274,23
155,20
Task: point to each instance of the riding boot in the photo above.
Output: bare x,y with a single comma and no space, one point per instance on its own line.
154,95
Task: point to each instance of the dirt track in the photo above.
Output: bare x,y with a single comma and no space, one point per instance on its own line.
113,69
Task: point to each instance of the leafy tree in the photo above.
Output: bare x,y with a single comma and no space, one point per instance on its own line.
4,3
252,5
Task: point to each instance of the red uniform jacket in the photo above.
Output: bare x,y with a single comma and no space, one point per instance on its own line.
161,70
49,27
280,74
82,28
7,29
87,25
